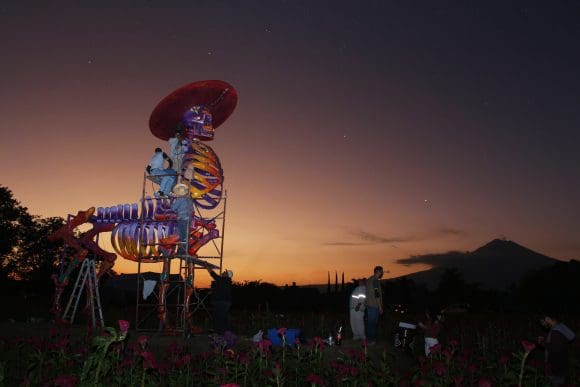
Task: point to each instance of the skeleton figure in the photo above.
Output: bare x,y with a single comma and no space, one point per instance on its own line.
147,233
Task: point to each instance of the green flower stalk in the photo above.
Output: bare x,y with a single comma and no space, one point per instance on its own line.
528,347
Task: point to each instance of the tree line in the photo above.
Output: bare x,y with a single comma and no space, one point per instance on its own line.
27,256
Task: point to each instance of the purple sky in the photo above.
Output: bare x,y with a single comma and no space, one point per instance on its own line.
365,131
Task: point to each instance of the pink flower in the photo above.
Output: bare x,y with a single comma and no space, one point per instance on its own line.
230,385
281,331
186,359
264,345
244,358
142,340
65,381
148,360
528,347
435,349
62,344
453,343
124,327
229,353
483,382
318,342
439,368
315,379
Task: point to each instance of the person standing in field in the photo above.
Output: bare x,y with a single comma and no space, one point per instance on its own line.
374,304
221,298
357,310
556,349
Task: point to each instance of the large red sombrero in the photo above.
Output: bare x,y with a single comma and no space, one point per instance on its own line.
220,97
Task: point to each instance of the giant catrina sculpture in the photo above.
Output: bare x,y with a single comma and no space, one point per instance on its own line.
147,231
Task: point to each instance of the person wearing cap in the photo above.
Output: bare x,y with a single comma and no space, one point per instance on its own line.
156,167
183,207
221,298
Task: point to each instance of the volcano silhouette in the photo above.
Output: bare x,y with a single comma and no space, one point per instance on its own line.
495,265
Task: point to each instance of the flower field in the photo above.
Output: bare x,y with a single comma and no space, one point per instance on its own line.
475,350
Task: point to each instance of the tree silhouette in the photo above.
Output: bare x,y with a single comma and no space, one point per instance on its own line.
25,252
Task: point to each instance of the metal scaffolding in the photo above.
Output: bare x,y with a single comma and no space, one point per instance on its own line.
176,297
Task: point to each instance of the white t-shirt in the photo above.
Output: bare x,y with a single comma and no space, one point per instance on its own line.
157,161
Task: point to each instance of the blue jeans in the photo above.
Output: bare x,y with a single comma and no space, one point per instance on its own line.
372,323
183,230
167,181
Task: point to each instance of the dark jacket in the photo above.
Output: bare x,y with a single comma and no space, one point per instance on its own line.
221,287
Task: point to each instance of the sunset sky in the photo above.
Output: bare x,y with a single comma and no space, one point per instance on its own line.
365,132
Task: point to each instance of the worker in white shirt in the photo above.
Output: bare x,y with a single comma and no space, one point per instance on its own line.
357,310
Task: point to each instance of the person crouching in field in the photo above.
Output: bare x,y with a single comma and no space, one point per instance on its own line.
431,328
357,310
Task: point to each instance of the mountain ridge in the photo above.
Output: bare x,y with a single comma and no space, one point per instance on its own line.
495,265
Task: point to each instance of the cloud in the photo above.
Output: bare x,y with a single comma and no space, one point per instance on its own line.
446,259
343,244
377,239
451,232
362,237
366,238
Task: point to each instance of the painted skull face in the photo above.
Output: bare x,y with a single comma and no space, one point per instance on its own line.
198,123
